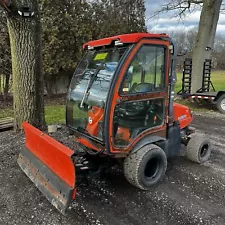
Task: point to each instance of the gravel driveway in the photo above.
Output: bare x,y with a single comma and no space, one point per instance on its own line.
190,193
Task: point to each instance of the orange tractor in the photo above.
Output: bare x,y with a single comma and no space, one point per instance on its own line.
120,107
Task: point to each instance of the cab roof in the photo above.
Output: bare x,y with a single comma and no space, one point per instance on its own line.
124,38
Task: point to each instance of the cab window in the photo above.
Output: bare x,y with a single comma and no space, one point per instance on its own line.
132,118
146,72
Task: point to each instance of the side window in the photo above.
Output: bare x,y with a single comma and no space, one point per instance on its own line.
132,118
146,72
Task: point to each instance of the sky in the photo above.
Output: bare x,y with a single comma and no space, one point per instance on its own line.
165,22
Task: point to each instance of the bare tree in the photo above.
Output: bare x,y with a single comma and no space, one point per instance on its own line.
206,32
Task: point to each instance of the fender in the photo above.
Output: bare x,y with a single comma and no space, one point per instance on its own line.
146,141
218,95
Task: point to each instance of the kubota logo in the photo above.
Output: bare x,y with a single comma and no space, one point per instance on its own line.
182,117
90,120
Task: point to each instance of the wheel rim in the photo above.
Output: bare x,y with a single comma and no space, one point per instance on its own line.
204,150
152,168
222,104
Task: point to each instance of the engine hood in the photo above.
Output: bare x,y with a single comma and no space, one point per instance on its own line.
182,114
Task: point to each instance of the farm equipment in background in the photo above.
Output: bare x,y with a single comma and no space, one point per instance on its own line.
207,90
120,107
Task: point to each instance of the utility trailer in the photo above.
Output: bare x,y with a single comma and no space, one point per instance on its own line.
207,91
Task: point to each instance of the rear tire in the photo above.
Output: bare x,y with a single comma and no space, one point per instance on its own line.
198,149
220,104
146,167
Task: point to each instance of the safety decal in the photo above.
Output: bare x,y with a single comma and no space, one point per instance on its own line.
101,56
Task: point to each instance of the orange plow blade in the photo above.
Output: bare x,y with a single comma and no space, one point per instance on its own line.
49,165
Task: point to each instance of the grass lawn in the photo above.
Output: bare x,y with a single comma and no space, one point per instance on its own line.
53,113
196,107
217,78
56,113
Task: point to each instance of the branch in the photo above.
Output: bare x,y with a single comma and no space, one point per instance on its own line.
179,5
5,4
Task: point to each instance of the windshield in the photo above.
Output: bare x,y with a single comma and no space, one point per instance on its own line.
89,88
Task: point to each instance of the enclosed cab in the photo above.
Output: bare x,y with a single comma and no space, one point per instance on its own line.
120,107
120,93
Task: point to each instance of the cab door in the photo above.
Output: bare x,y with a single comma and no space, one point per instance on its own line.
139,105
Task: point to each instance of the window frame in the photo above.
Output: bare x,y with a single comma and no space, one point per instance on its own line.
120,92
158,127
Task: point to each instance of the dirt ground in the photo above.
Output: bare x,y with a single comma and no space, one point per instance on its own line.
189,194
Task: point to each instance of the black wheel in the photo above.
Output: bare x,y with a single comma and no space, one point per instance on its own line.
198,149
220,104
146,167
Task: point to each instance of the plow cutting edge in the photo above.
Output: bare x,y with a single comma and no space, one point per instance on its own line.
49,166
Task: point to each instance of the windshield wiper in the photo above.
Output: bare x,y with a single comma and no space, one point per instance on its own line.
90,82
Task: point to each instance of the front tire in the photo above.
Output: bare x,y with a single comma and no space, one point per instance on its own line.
198,149
146,167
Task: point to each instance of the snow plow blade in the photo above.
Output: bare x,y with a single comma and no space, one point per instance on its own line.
49,165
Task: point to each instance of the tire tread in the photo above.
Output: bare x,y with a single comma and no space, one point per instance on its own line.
132,165
193,147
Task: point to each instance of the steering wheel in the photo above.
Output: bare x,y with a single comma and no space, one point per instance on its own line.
141,88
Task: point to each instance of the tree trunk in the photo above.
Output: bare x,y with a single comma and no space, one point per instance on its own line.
6,87
0,86
28,82
205,39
